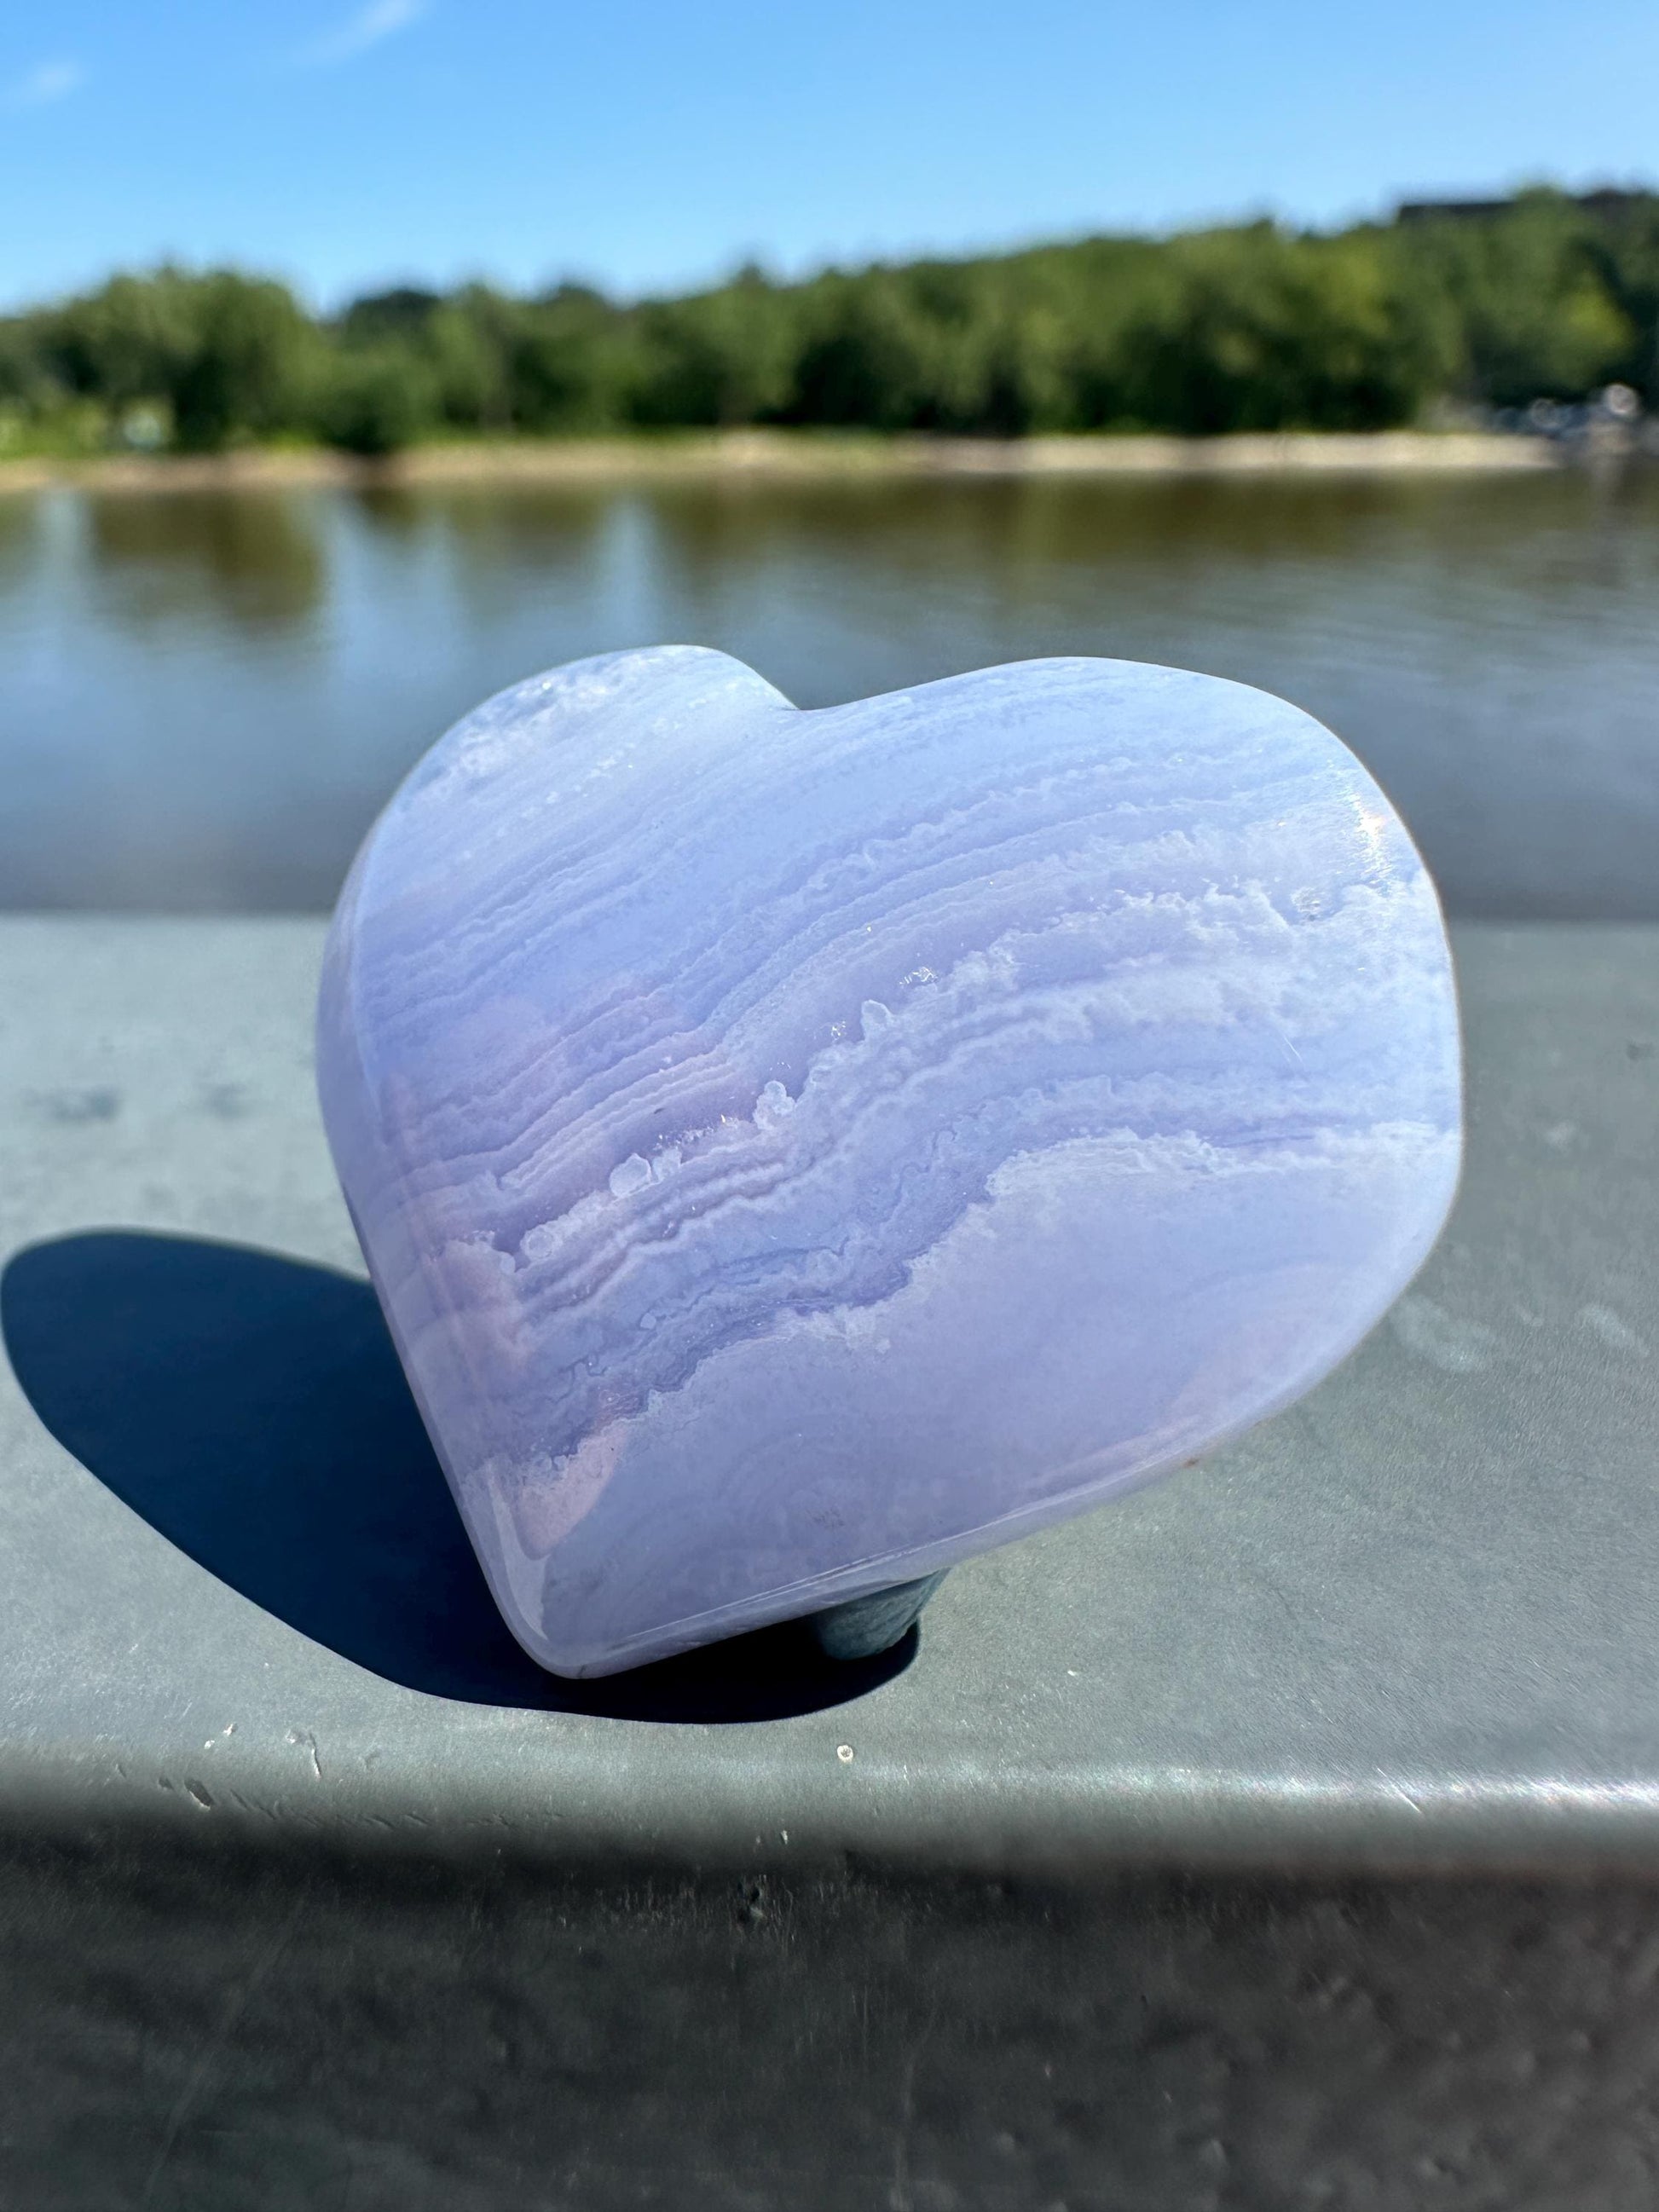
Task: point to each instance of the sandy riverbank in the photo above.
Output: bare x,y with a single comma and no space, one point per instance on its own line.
784,454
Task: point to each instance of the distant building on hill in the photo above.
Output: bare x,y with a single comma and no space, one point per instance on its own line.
1608,201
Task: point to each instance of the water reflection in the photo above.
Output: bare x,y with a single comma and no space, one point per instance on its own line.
393,509
20,531
524,529
204,697
535,547
253,561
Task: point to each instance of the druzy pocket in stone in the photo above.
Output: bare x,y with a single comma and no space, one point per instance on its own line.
797,1149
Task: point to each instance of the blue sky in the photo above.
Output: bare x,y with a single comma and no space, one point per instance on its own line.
640,145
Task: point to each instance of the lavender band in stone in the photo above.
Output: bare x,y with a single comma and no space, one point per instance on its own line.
795,1151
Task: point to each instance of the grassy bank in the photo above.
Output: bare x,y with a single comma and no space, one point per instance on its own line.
795,455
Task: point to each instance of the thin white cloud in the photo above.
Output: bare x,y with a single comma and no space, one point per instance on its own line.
46,83
380,19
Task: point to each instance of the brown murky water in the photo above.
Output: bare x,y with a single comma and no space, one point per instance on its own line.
204,698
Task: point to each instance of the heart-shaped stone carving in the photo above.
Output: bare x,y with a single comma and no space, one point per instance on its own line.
797,1149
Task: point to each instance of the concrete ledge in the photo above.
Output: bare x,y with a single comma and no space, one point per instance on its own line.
1408,1625
200,2031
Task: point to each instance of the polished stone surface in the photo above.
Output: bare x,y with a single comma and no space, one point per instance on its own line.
796,1151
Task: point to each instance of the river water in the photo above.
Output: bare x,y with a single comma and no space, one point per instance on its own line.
205,697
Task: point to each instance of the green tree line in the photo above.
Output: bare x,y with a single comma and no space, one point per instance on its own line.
1250,327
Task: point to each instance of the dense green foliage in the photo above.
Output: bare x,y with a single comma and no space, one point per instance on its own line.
1253,327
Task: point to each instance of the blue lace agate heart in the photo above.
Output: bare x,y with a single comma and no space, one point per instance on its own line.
797,1149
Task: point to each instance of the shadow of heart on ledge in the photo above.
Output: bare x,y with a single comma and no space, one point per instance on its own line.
251,1408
